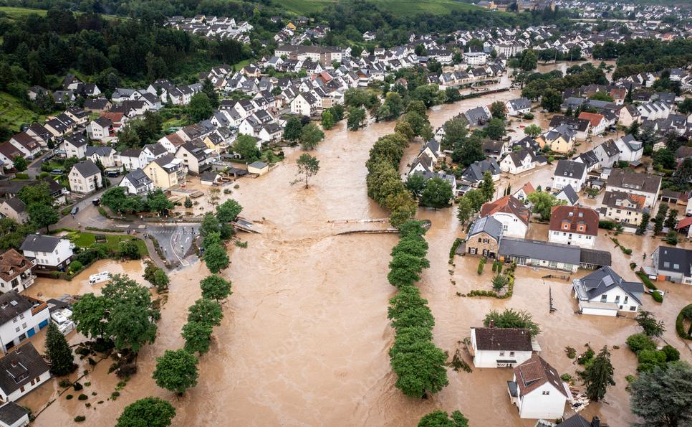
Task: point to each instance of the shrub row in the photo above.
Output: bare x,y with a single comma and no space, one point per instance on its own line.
509,273
685,314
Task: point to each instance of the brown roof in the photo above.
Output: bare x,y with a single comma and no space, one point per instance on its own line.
610,198
594,118
503,339
534,373
12,263
507,204
175,139
528,188
114,117
569,218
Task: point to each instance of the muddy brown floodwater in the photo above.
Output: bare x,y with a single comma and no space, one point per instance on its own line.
305,337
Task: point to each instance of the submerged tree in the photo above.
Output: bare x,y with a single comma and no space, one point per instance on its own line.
598,375
58,351
308,166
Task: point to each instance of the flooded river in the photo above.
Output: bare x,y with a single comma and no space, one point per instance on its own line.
305,337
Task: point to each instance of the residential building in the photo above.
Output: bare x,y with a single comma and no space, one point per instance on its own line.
304,104
579,421
568,195
75,146
625,208
105,155
672,264
605,293
520,161
166,171
195,156
518,107
22,371
580,126
475,58
137,183
607,154
535,253
537,390
85,177
13,415
573,225
21,317
47,252
132,158
101,129
511,212
560,140
635,183
15,209
500,347
484,237
569,172
631,150
523,193
598,122
15,271
474,174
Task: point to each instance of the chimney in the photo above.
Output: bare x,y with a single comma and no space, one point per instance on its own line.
596,422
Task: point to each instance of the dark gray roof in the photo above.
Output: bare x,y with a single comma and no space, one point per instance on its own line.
595,257
520,103
632,180
570,169
138,178
487,224
475,171
12,305
16,204
40,243
575,421
498,339
10,413
675,259
87,168
537,249
571,195
99,151
604,279
20,367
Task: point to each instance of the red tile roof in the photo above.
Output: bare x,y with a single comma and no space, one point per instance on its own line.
569,218
594,118
507,204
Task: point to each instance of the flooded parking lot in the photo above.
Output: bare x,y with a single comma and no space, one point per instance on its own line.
305,337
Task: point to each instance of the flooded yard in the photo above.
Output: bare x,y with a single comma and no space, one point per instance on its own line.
305,337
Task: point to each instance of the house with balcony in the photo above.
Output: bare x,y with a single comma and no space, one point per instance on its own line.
672,264
85,177
605,293
15,271
500,347
166,171
573,225
196,156
623,207
47,252
640,184
21,317
537,390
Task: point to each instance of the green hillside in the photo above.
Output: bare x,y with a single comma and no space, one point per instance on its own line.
397,7
13,114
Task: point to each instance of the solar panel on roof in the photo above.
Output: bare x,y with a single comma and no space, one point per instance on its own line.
608,280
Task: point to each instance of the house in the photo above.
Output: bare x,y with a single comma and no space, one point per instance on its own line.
598,122
569,172
474,174
210,178
580,126
559,140
20,318
523,193
521,160
625,208
105,155
511,212
132,158
500,347
13,415
195,156
629,114
672,264
573,225
14,208
27,144
8,153
47,252
22,371
478,116
484,237
259,168
101,129
535,253
607,154
631,150
75,146
568,195
137,183
537,390
635,183
85,177
579,421
304,104
166,171
518,107
605,293
15,271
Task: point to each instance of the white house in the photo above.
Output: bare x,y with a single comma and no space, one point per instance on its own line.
500,347
132,158
518,107
511,212
101,129
105,155
20,318
137,183
605,293
519,161
573,225
75,146
631,150
635,183
13,415
475,58
22,371
607,154
47,252
15,271
304,104
654,110
569,172
85,177
538,391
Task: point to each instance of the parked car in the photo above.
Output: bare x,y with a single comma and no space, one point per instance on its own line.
96,201
56,172
74,210
112,174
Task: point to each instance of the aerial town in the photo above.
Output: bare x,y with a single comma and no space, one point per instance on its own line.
348,213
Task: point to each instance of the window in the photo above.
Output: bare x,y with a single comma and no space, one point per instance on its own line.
21,316
546,393
625,300
511,354
604,298
617,299
24,325
633,307
16,329
502,354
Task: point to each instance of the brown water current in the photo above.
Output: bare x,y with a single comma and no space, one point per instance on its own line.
305,337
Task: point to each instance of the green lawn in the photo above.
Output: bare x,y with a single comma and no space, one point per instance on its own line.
85,240
21,11
13,114
397,7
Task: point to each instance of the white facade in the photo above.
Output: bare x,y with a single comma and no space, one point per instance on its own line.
544,402
569,238
21,327
577,182
609,303
511,225
509,165
475,58
301,106
61,254
496,358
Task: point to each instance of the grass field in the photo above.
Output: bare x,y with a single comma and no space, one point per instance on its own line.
13,114
21,11
397,7
85,240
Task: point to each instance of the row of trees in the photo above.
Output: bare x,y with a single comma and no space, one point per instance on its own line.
417,362
216,229
308,134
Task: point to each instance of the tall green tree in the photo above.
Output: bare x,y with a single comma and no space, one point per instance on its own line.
598,376
228,211
43,215
216,258
651,326
176,371
58,352
356,118
310,136
497,110
246,147
200,107
293,129
215,287
147,412
442,419
308,166
437,194
197,337
532,130
663,397
487,186
421,370
511,318
205,311
543,203
208,89
327,119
